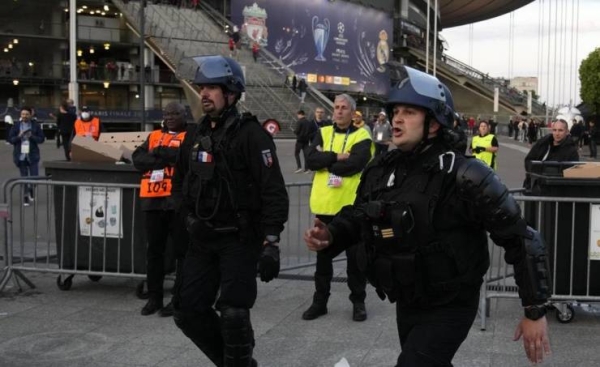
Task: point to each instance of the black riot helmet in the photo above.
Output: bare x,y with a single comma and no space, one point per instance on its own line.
219,70
416,88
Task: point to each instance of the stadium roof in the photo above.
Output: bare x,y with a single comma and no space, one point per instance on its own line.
456,12
460,12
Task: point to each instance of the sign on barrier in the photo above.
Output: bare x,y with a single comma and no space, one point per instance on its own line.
100,211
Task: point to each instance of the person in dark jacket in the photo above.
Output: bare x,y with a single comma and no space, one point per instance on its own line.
594,139
577,131
420,221
65,121
233,196
555,147
156,158
25,135
304,131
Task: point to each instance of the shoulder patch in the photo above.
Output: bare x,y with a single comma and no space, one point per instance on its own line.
267,158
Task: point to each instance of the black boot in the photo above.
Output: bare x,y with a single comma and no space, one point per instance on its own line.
359,312
153,305
166,311
318,307
238,337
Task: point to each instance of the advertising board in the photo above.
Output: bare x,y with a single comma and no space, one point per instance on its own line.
332,45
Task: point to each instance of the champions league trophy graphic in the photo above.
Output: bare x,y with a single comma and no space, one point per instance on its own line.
321,36
383,51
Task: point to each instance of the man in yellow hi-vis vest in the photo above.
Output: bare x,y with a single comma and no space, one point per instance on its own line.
485,145
156,158
337,155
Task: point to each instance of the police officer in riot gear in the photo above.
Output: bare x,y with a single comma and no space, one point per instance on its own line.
422,212
234,198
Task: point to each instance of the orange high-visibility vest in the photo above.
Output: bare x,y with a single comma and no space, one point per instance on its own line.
152,188
89,128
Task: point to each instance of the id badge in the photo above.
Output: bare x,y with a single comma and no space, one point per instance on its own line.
334,180
25,147
157,175
379,136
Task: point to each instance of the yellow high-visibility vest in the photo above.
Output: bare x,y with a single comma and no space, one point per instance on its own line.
327,200
488,157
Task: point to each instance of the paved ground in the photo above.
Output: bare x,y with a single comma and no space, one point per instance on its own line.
98,324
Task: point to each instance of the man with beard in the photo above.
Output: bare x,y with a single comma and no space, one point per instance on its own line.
232,194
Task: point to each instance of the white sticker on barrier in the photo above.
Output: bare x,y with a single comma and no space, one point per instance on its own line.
100,211
595,232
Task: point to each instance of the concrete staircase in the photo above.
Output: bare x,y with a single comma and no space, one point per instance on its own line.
177,34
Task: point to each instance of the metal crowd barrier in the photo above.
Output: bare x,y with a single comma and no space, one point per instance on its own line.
75,228
50,236
571,229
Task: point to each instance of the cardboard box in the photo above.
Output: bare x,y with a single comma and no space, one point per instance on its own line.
111,147
587,170
126,142
88,150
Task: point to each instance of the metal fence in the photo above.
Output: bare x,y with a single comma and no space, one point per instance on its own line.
571,230
92,229
96,230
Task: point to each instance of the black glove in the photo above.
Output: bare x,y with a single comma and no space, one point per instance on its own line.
478,149
268,262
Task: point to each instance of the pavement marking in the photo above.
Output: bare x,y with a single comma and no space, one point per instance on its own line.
54,346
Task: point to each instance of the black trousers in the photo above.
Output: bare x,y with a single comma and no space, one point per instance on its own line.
66,143
160,225
226,267
593,149
430,338
357,282
300,146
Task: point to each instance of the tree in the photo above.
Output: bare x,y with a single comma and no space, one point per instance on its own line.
589,75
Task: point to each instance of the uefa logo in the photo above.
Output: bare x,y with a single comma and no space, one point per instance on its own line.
341,28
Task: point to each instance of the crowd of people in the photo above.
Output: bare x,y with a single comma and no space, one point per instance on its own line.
394,192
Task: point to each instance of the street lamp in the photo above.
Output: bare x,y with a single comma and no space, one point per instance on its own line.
16,81
106,84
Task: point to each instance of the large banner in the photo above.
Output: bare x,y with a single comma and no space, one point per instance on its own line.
333,45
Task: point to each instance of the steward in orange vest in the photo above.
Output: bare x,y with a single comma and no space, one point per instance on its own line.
156,158
87,126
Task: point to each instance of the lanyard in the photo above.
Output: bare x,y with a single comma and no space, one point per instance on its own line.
333,137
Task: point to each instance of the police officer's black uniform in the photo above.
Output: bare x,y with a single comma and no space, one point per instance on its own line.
423,217
234,196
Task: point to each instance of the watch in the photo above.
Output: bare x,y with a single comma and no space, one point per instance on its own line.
535,312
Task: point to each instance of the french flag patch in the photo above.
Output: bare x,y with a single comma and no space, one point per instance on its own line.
205,157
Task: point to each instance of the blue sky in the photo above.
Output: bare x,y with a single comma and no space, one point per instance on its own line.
491,52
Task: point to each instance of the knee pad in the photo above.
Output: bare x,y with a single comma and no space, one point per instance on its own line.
234,318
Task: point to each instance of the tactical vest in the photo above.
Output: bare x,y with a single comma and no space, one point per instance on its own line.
488,157
219,182
157,183
406,254
326,199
